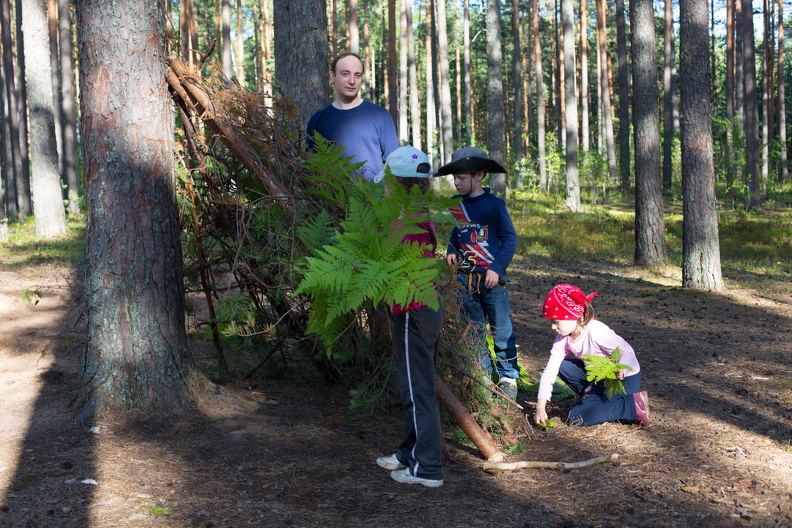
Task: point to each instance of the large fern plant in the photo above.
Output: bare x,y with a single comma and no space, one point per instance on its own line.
361,261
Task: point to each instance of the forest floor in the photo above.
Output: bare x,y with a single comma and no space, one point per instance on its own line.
717,453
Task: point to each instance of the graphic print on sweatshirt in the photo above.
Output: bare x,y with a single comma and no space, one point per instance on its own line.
473,247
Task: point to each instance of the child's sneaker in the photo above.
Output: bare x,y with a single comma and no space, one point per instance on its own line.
509,387
390,462
641,407
404,476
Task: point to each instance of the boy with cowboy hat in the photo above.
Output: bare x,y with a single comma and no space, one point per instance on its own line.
481,248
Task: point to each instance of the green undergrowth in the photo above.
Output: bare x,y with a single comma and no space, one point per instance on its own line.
22,248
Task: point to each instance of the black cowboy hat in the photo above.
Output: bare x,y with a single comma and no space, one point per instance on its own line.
469,160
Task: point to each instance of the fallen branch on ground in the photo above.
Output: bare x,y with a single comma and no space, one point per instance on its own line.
511,466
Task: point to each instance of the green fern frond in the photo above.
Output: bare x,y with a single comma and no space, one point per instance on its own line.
606,369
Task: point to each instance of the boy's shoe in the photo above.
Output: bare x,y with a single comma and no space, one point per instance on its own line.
390,462
641,407
404,476
509,387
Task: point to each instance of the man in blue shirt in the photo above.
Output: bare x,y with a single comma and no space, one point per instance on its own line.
364,129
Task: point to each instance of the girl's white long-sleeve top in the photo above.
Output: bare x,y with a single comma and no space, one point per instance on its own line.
595,339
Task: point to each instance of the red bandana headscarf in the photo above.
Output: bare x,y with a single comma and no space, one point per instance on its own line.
566,302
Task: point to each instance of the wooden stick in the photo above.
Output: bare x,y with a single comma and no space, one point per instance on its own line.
479,436
511,466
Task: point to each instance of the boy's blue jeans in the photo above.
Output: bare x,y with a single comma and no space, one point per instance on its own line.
491,306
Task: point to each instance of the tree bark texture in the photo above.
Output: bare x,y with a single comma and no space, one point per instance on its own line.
412,67
584,79
751,123
572,200
446,124
668,98
68,108
404,123
495,125
517,83
136,355
540,97
782,132
701,267
45,173
604,83
301,63
649,229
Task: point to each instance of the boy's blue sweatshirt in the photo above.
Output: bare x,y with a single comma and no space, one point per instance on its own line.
485,238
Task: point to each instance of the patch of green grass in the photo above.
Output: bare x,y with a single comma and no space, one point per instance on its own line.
159,510
23,249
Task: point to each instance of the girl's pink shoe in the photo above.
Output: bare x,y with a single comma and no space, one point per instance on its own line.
641,407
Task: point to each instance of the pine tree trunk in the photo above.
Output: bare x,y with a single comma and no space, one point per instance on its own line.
68,108
572,201
404,123
584,79
467,128
649,228
412,66
431,119
604,81
540,100
768,58
13,165
730,64
137,349
700,247
751,122
446,122
45,173
782,133
24,188
517,83
301,63
668,99
354,29
393,103
240,45
495,128
225,21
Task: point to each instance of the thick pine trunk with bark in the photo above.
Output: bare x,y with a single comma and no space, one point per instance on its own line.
446,125
540,98
624,98
301,63
68,108
572,201
751,123
701,266
136,355
649,228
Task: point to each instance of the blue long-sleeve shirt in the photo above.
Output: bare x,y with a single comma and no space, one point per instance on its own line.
485,238
366,132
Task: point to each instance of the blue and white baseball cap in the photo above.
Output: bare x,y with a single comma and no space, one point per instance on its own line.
404,162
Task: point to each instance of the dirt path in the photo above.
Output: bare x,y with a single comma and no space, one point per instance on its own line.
718,369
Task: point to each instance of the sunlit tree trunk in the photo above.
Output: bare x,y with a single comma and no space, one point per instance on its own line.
301,63
517,83
604,81
669,87
730,65
572,201
431,120
446,124
225,21
739,54
240,45
68,108
393,94
333,28
458,87
7,200
751,123
649,228
189,32
404,99
467,130
540,101
57,100
768,63
495,128
782,133
354,30
137,347
412,67
45,175
624,98
584,80
701,266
